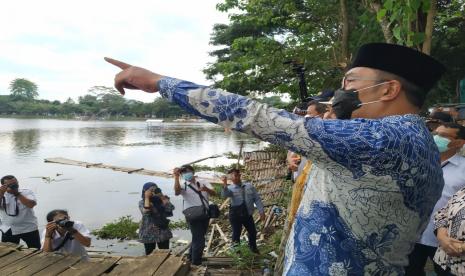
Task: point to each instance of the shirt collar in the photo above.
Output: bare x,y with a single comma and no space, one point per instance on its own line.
456,160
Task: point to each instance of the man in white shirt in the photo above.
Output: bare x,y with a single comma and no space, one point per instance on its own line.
449,137
65,236
195,192
18,221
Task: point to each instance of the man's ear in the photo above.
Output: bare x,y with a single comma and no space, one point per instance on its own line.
391,90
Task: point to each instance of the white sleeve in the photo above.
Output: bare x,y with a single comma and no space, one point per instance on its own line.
28,194
82,229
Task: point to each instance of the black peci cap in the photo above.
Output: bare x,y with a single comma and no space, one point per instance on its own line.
410,64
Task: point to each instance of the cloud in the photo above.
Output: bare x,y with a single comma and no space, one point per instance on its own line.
60,45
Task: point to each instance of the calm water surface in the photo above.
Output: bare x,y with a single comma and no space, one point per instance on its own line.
98,196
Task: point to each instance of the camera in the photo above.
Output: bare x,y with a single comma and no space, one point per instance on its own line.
64,223
157,191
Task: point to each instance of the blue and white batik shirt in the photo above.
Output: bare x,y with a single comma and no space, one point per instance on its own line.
370,195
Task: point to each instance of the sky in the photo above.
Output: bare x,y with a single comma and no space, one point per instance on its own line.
60,45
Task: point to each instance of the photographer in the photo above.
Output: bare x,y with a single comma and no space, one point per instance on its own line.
154,227
18,221
65,236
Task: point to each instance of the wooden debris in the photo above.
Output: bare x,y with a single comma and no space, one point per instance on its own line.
221,233
65,161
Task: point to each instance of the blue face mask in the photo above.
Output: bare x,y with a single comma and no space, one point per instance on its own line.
441,142
188,176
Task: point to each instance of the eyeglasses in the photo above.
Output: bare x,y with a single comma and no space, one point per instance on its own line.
349,79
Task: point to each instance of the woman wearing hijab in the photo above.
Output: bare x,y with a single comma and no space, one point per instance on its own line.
155,208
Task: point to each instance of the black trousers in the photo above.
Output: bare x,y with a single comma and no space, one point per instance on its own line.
32,239
198,230
149,247
417,261
249,224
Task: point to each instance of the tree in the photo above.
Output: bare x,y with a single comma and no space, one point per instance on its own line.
23,89
265,34
323,36
411,23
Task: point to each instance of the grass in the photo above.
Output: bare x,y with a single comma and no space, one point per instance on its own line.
244,259
125,228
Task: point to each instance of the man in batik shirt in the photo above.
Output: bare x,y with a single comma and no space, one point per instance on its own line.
378,174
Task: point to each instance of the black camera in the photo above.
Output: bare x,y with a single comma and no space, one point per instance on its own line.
157,191
65,223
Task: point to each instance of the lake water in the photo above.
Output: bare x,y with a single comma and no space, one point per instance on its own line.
98,196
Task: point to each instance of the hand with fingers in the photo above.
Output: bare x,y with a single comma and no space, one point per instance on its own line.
224,180
451,246
176,172
3,188
132,77
50,229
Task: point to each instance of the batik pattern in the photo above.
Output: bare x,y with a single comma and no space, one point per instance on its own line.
370,195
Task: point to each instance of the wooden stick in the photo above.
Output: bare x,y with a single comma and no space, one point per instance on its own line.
210,240
224,204
221,233
240,154
202,159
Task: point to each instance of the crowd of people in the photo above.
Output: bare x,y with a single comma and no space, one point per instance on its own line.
62,235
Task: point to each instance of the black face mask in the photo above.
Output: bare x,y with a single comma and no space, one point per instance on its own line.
14,186
345,102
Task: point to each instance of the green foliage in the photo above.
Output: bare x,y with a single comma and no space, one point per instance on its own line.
219,168
243,258
407,20
264,34
449,47
124,228
100,102
179,225
23,89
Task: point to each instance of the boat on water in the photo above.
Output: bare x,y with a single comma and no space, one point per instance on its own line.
189,120
151,122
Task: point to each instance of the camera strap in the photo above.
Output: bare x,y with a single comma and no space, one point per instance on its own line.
5,207
67,238
199,193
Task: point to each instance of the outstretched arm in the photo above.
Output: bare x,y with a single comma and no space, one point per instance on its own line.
342,141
